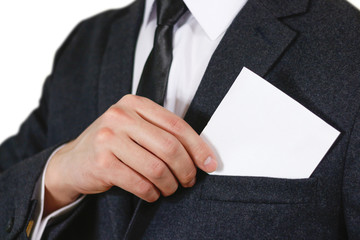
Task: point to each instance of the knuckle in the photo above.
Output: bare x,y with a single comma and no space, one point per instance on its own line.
114,112
144,189
128,99
176,125
171,146
103,135
158,169
189,176
117,114
172,189
152,198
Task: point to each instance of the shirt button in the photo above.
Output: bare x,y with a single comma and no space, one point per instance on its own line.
10,225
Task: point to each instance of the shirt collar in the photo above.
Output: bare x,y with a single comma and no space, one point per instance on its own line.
214,20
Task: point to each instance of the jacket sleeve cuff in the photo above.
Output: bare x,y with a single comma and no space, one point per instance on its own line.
39,195
17,185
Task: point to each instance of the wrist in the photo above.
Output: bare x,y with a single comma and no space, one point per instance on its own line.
58,190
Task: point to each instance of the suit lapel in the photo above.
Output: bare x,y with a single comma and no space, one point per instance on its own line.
114,82
118,62
255,39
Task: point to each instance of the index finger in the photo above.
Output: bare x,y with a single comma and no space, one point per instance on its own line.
201,154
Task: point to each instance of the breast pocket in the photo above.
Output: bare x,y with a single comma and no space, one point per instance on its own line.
259,189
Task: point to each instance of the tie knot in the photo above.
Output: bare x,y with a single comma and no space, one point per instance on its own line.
169,11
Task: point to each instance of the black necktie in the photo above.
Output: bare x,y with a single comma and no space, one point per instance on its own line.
153,81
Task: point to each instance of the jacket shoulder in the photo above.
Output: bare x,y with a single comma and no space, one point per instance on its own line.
91,34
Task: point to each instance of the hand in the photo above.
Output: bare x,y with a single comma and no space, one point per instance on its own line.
136,145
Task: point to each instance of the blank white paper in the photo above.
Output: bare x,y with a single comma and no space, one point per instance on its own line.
258,130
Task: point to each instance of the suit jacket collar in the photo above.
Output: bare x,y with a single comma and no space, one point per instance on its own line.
285,8
255,39
214,21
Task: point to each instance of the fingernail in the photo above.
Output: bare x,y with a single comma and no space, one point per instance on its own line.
192,183
210,164
208,161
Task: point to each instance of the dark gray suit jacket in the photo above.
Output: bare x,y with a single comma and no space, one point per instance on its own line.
307,48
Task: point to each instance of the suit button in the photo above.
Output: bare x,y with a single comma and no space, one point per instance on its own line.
10,225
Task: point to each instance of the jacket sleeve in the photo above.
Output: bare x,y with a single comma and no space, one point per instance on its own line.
22,160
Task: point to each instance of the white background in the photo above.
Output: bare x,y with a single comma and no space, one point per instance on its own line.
30,33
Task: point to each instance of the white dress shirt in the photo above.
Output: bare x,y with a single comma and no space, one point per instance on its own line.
196,36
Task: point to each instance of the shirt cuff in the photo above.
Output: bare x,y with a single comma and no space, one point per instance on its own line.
39,195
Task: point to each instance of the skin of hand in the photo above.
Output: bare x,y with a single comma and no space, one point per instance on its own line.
136,145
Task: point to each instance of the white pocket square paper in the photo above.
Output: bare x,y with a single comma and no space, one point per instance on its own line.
258,130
